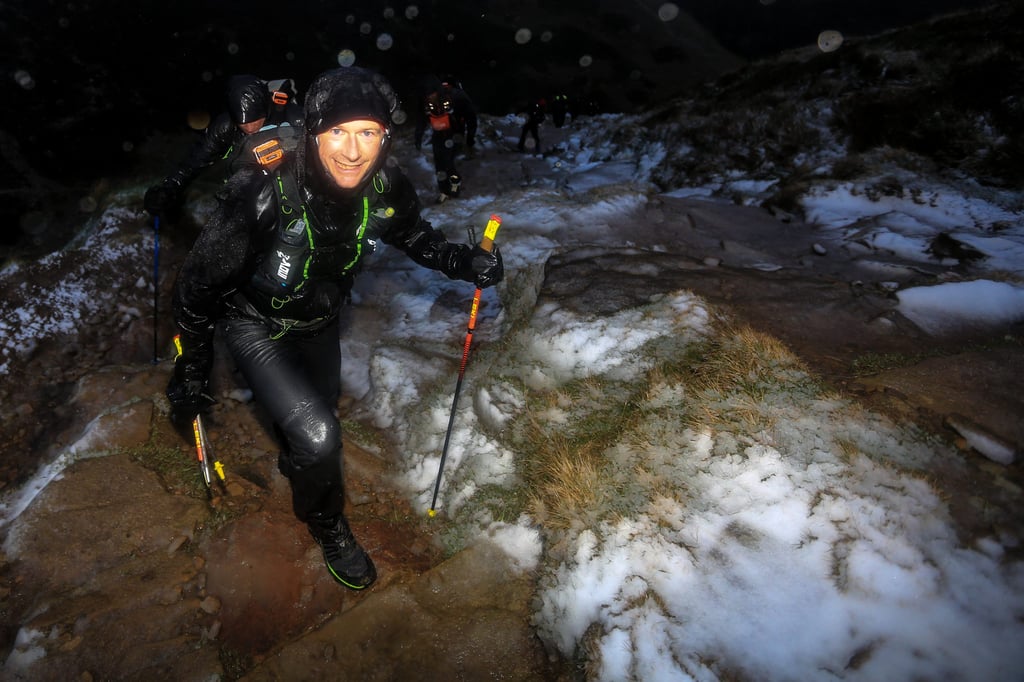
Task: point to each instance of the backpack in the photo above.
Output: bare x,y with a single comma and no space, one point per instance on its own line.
278,136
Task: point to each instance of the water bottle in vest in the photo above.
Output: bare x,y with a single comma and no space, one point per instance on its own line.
283,270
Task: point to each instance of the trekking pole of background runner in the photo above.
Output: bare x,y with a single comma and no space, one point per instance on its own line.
204,451
487,243
156,285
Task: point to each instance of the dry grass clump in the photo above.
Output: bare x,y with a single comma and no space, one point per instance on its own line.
568,470
742,357
567,483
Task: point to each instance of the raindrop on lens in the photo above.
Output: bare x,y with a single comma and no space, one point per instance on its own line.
24,79
365,28
198,120
232,48
412,11
829,41
546,36
586,60
523,36
385,41
389,13
346,58
668,11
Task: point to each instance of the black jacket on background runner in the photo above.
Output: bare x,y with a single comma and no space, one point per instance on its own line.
451,116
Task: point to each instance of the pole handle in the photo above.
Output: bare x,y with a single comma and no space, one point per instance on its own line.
490,232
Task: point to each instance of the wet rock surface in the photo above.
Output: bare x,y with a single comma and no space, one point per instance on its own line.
119,571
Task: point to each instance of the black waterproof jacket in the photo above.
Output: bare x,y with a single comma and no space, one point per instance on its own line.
221,275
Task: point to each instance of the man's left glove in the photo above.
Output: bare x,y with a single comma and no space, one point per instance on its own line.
483,268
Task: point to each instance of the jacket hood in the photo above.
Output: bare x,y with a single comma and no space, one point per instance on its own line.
348,94
248,99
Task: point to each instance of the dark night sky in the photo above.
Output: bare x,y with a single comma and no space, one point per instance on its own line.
94,78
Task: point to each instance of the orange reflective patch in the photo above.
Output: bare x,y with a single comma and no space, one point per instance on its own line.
269,154
440,122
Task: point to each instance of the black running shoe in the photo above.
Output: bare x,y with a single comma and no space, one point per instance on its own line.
346,561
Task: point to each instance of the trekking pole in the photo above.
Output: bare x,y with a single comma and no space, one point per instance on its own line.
204,451
156,284
487,244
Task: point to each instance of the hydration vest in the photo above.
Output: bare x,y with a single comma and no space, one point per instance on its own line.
285,267
289,261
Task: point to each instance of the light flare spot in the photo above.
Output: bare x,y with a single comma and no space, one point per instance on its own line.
24,79
346,57
829,41
668,11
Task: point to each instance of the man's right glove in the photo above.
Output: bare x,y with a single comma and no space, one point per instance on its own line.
162,198
188,398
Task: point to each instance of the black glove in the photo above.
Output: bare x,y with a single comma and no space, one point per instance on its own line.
483,268
188,398
163,198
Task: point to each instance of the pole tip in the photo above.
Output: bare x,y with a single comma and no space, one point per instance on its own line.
431,513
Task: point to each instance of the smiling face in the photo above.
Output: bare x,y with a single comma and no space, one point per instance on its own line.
349,151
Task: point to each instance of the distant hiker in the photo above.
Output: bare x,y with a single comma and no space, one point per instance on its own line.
559,108
274,265
452,118
534,117
252,104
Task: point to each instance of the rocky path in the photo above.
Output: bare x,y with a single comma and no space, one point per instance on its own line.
124,570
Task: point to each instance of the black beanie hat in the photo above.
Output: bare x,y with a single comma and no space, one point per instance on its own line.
349,93
248,99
